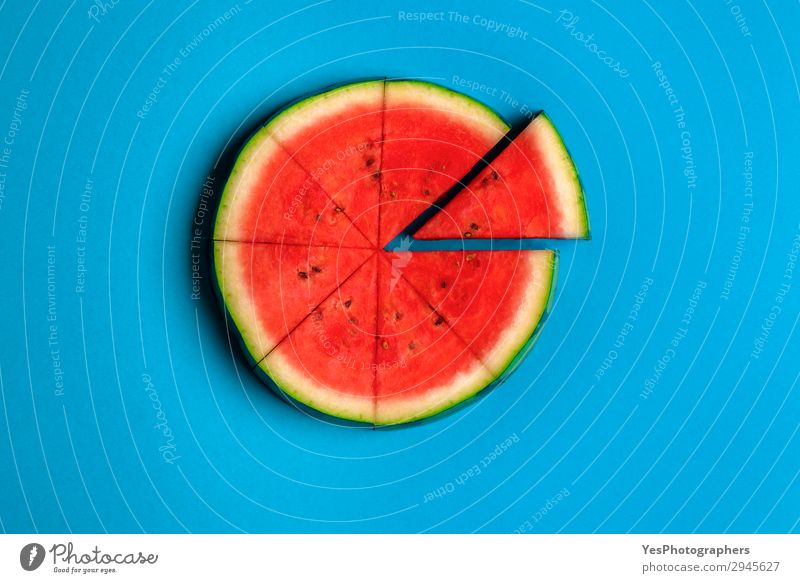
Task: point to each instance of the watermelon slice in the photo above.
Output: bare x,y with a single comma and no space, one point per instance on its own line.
336,322
530,190
336,137
432,137
270,198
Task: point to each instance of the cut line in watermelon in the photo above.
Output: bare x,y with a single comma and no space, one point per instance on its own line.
295,278
333,318
337,138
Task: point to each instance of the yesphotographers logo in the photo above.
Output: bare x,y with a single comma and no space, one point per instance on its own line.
31,556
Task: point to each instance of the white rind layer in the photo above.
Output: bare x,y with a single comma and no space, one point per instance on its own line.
568,192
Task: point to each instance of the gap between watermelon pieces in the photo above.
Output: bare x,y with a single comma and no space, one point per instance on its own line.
432,137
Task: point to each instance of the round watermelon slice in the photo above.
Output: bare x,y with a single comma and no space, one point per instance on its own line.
329,316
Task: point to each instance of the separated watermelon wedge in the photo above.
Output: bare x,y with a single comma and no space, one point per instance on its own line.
332,317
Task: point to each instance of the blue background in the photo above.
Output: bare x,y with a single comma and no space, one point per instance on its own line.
711,446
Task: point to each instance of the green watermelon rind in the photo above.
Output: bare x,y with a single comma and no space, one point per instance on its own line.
308,405
580,202
516,356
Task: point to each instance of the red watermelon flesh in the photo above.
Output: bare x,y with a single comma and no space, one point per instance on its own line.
327,361
432,137
336,137
272,199
269,289
422,365
492,299
530,190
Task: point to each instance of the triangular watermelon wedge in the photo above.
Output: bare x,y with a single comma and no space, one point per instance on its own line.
269,289
270,198
530,190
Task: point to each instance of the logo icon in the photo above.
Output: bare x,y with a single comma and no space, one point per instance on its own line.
31,556
400,258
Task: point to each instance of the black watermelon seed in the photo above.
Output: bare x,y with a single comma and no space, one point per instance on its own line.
348,302
412,345
302,274
474,226
443,284
495,175
438,322
316,269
